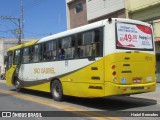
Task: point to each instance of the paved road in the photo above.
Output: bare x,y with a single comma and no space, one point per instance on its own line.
152,95
29,100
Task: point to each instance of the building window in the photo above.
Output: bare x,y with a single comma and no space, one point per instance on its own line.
78,7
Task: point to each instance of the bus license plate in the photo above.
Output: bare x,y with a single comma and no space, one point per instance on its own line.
137,88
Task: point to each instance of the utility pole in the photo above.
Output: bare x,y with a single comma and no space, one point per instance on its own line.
18,31
22,19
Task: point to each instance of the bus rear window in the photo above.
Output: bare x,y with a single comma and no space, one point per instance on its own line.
134,37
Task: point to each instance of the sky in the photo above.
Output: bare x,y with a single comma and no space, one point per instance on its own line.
41,17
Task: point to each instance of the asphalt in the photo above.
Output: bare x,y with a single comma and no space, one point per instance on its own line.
150,95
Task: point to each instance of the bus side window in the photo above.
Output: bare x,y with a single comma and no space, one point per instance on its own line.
61,51
17,57
37,53
89,44
80,48
46,55
61,54
85,41
50,50
26,55
96,44
31,53
54,49
9,60
68,47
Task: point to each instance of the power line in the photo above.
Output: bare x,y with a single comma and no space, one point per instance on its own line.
13,19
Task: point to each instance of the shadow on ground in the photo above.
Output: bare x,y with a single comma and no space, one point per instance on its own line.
107,103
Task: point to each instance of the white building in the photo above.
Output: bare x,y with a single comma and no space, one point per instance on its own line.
81,12
5,43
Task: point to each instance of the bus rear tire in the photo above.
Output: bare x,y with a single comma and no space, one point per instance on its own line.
17,85
56,90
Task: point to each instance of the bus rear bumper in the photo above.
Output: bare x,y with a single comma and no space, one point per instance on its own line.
115,89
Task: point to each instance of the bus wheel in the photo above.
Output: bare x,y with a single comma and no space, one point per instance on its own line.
56,90
17,86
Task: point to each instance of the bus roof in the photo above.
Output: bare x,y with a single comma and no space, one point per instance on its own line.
23,45
77,30
73,31
88,27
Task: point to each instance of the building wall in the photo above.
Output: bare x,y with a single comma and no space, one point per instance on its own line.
67,1
6,43
1,56
76,19
134,5
100,8
68,12
157,46
146,14
117,14
93,10
156,28
146,10
67,16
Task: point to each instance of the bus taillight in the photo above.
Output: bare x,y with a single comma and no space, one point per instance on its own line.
114,73
113,67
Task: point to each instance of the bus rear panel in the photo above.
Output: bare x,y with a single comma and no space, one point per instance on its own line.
131,68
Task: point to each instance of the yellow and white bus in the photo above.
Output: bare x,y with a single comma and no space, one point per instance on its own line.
110,57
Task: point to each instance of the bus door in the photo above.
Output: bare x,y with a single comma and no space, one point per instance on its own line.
10,68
